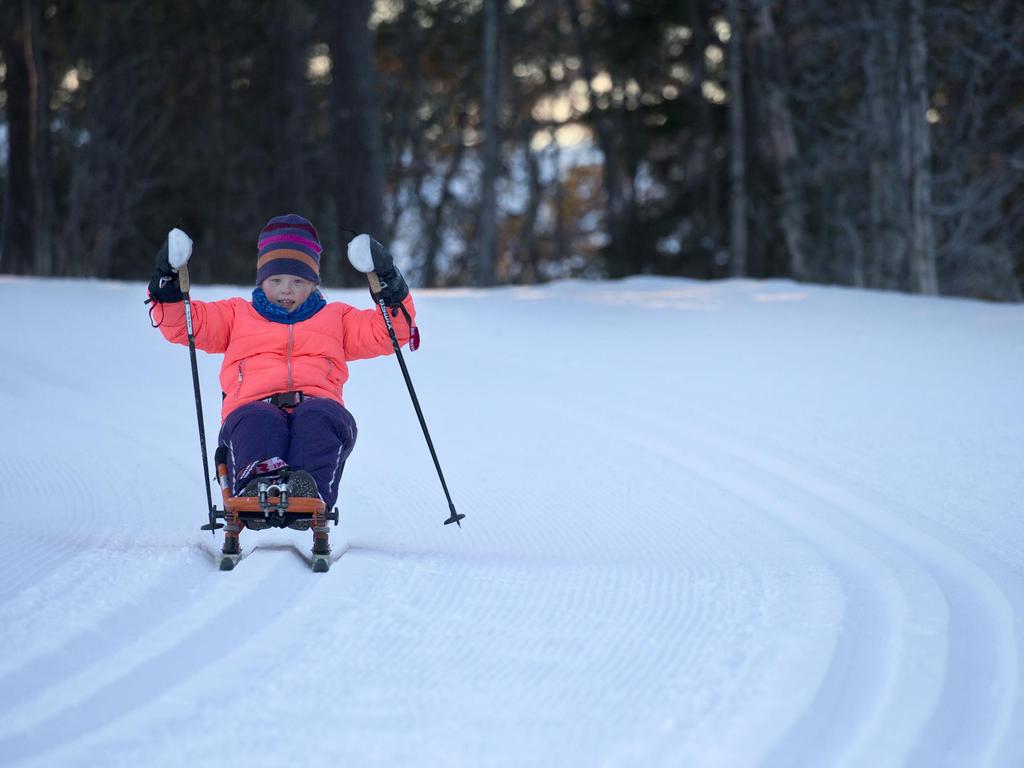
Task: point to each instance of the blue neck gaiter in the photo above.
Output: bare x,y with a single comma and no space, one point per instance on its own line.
276,314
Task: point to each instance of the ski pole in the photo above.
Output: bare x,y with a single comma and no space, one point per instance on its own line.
455,517
185,284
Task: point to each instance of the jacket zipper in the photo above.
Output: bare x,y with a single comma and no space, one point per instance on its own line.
291,339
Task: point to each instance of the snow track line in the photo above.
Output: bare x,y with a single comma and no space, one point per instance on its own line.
159,660
847,700
978,710
844,724
59,531
71,518
581,639
935,747
875,600
78,648
970,720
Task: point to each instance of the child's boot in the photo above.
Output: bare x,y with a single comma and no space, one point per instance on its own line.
302,485
231,553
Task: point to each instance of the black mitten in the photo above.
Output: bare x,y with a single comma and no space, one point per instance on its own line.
163,286
393,288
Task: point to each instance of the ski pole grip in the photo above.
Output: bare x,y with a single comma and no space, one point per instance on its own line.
183,280
374,283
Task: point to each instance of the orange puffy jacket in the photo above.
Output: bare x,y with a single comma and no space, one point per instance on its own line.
262,357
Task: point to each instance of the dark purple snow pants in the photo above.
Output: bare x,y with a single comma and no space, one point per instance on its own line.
317,435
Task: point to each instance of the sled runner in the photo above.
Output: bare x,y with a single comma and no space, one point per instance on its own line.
275,503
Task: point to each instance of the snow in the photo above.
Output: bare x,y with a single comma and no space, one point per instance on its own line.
708,524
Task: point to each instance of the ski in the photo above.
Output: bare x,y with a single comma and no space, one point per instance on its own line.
228,562
320,562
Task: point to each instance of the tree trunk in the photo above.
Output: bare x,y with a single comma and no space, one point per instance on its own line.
18,240
784,146
40,114
407,96
924,278
524,249
613,185
846,226
358,148
436,218
703,162
737,146
885,247
289,94
563,241
488,220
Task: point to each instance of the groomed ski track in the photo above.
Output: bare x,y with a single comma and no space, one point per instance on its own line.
730,524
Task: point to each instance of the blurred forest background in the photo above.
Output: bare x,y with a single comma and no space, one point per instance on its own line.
875,143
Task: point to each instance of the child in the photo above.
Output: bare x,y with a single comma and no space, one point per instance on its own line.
286,358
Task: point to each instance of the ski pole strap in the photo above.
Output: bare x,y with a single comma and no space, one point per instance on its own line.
414,331
153,305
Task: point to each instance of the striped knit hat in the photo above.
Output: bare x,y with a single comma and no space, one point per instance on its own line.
288,245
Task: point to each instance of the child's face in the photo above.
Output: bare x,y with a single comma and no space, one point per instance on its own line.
287,291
